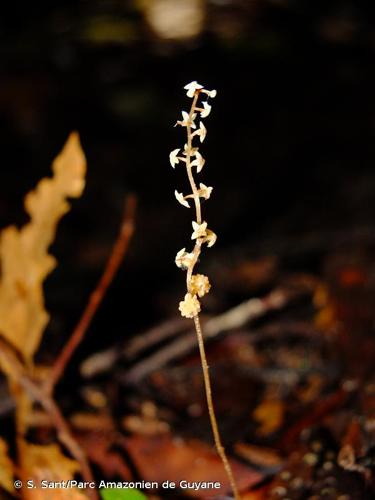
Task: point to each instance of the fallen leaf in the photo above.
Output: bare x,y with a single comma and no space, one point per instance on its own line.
161,458
25,261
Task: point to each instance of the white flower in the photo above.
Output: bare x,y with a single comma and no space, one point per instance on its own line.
202,132
184,259
192,87
210,238
206,109
210,93
199,285
198,162
190,306
181,199
199,230
205,191
173,157
186,120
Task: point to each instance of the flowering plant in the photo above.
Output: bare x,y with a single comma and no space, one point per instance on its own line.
197,285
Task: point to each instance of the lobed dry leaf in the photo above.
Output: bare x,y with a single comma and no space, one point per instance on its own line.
25,263
24,257
6,468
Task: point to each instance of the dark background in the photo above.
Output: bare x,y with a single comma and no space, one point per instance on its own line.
290,145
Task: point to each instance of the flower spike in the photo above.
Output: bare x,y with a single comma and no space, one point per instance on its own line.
197,285
194,162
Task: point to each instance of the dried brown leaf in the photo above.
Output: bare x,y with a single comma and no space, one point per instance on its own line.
25,261
162,457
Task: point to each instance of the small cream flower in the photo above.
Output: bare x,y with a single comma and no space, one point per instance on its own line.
206,109
200,230
205,191
192,87
210,238
199,285
190,306
186,120
181,199
202,132
198,162
210,93
184,259
173,157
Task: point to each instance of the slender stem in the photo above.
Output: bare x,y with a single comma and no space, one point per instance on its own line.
197,202
118,252
211,410
196,254
188,161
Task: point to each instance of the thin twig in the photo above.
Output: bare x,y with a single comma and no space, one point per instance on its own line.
16,372
235,317
118,252
103,361
158,333
183,341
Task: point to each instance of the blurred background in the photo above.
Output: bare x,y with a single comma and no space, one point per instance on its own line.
290,145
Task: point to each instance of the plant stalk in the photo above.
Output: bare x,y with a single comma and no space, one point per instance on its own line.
211,410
